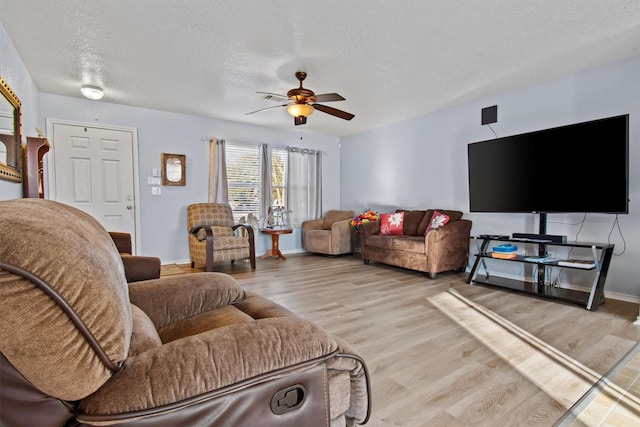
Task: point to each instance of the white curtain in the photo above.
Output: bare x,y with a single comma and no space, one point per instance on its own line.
304,185
218,190
266,193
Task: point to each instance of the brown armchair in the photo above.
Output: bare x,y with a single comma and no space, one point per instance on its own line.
331,234
212,236
136,267
79,346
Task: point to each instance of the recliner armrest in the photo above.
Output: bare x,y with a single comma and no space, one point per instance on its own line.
193,370
168,299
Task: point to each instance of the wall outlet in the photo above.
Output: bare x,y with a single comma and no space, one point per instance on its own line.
156,191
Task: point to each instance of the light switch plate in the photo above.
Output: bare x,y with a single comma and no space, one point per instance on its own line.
156,191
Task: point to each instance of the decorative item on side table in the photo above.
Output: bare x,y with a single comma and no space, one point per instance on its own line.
363,218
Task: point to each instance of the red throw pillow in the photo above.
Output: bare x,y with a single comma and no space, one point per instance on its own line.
437,220
391,223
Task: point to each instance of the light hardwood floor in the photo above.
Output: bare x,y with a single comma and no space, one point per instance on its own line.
444,353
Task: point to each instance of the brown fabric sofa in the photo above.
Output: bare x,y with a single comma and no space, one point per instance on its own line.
136,267
442,249
80,346
331,234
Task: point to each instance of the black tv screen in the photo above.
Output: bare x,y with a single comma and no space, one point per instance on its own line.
582,167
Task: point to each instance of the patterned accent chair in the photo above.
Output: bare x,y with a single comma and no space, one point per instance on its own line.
213,237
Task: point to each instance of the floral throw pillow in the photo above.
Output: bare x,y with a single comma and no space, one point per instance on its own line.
437,220
391,223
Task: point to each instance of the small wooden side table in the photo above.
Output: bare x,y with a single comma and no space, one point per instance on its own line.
275,239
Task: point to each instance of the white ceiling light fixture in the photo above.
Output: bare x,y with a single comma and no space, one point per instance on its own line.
92,92
300,110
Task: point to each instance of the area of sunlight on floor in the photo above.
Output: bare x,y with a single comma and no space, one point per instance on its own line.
549,369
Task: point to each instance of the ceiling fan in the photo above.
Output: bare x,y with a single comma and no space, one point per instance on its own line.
301,102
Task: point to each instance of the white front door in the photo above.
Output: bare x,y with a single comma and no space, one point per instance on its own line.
92,169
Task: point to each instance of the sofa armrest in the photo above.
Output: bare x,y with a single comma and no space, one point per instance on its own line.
367,229
448,247
122,241
173,298
138,267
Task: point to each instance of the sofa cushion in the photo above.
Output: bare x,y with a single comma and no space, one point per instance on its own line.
438,219
453,216
391,223
412,219
334,216
414,244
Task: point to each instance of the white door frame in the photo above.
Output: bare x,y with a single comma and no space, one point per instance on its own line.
50,188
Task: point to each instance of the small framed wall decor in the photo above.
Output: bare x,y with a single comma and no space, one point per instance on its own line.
173,169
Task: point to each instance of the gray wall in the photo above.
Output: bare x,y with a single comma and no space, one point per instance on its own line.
422,162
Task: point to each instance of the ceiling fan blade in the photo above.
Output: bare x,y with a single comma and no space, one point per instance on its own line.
329,97
274,96
268,108
334,111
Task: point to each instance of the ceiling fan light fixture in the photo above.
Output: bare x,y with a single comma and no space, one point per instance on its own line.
300,110
92,92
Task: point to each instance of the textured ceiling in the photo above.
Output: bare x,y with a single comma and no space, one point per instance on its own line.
391,60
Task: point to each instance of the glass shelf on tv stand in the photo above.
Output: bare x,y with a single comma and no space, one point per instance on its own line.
591,300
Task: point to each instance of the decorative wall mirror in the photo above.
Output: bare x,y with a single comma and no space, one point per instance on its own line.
173,169
10,136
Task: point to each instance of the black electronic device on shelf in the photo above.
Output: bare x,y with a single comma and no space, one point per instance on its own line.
553,238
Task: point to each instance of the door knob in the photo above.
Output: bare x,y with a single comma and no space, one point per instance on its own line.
129,207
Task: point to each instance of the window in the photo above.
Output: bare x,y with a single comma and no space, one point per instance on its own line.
279,176
243,179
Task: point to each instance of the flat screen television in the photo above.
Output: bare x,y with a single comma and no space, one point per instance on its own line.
581,167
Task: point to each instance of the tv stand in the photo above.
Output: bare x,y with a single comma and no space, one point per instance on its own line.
591,300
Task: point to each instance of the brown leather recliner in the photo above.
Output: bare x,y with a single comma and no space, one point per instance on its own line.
79,346
136,267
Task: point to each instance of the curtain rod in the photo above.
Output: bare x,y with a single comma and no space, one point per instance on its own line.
210,138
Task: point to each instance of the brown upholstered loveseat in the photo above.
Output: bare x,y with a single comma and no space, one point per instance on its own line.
443,249
79,346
